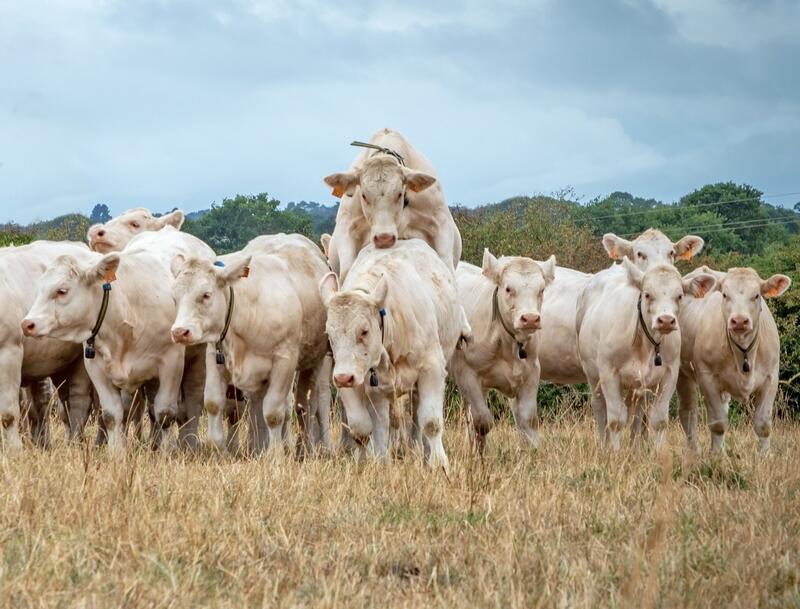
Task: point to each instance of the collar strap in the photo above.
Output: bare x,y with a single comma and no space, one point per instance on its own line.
521,352
745,351
373,375
88,351
656,346
388,151
220,355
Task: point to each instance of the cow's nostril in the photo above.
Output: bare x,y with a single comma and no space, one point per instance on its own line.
101,233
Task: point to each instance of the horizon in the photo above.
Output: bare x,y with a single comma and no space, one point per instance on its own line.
187,105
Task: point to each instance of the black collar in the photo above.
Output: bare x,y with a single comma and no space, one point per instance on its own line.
745,351
388,151
373,375
521,352
228,315
656,346
88,351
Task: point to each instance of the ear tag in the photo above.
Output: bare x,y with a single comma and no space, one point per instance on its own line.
746,364
219,263
220,357
373,378
382,312
523,354
657,361
246,272
109,277
88,352
337,192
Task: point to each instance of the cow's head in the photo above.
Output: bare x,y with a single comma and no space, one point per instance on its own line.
201,296
380,186
742,290
652,248
662,290
354,329
68,298
115,234
520,288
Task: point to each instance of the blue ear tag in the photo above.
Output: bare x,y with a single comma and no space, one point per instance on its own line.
106,287
382,312
219,263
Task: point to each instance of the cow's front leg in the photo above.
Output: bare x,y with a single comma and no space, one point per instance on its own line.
277,398
616,409
359,423
658,417
257,438
600,413
214,397
762,420
524,407
430,413
321,403
474,397
10,380
39,412
192,391
687,409
717,409
77,389
112,410
378,408
165,404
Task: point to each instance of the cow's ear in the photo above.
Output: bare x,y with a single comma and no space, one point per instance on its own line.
635,274
342,183
173,218
104,269
699,284
688,247
617,247
328,287
176,266
325,242
548,269
380,291
490,267
235,268
417,181
775,286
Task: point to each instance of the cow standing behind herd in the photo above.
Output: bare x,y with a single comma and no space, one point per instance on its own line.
386,312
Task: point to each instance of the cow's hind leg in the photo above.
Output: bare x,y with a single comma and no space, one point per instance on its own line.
430,415
10,379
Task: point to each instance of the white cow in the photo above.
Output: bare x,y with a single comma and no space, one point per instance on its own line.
503,301
132,340
730,348
558,346
275,326
24,361
390,194
629,341
393,327
115,234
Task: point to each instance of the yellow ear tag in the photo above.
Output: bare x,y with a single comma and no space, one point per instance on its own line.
109,276
246,272
338,192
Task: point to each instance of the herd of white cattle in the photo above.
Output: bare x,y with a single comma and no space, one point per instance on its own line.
385,309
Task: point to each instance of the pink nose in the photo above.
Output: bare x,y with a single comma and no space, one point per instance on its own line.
344,380
666,323
28,327
181,335
530,321
384,240
739,323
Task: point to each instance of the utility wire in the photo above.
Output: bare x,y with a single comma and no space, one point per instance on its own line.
741,224
684,207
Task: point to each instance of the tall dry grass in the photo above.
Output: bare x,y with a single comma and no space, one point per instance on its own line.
566,526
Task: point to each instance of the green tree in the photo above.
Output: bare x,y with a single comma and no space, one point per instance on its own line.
100,214
230,226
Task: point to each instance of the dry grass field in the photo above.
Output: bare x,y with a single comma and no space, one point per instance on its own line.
566,526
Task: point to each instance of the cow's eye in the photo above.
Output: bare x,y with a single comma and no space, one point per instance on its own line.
364,198
641,256
725,296
508,290
680,297
647,295
206,295
756,297
364,333
672,254
135,224
61,291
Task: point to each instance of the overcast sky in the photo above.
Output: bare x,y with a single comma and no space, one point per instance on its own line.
168,103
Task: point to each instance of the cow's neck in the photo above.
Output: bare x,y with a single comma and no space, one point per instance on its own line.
117,327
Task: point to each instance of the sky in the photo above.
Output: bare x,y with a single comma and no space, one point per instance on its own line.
180,103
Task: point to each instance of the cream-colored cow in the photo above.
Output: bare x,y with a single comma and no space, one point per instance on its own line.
275,326
629,342
503,303
115,234
24,361
558,346
731,348
132,344
387,195
393,327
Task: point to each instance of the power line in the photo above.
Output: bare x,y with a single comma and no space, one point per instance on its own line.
685,207
741,224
